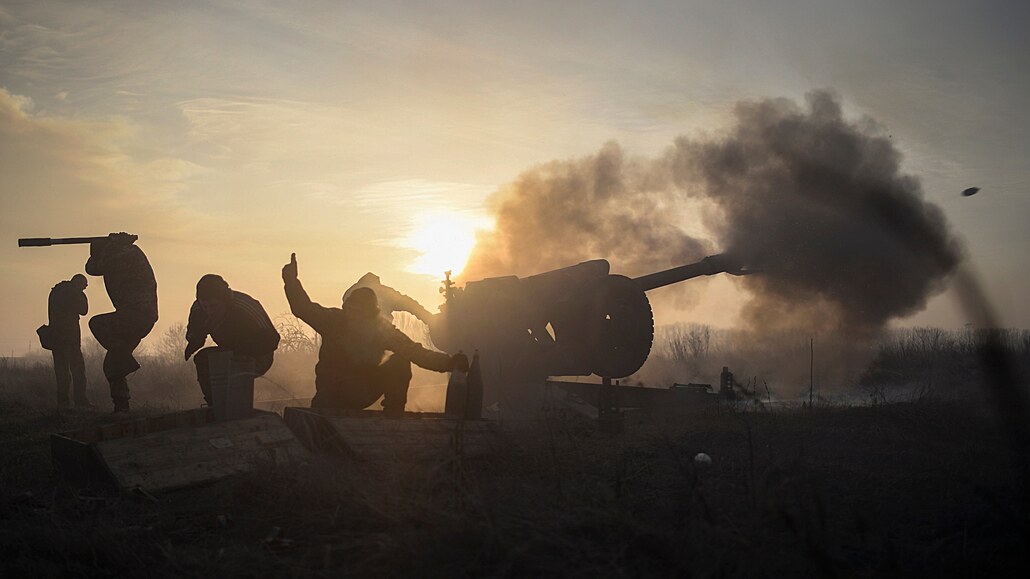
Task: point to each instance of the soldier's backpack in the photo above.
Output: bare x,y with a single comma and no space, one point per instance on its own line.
44,337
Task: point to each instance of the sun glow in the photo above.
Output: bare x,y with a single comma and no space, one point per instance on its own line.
444,241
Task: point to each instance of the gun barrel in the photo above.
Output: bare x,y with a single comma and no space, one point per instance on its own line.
48,241
711,265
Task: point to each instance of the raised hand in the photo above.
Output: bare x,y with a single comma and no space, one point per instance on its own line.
290,269
122,238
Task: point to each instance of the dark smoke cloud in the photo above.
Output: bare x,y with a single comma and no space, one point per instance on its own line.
820,204
844,239
564,212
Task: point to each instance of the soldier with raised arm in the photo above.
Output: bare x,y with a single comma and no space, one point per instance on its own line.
132,288
353,368
65,305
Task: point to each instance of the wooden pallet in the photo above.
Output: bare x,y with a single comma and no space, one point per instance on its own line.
369,435
173,451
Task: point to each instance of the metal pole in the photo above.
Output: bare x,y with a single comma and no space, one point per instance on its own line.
811,370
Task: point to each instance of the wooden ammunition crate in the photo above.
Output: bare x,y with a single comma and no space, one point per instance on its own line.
370,435
173,451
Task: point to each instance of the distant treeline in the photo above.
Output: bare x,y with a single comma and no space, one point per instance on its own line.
899,363
910,363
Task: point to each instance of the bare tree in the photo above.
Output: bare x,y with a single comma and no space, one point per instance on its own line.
296,336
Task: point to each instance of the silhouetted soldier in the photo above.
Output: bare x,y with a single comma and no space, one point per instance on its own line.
235,321
390,300
353,370
66,304
133,291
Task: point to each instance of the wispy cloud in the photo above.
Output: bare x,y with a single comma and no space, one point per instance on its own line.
389,196
68,176
244,129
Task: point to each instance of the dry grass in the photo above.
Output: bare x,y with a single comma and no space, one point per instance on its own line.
913,488
920,488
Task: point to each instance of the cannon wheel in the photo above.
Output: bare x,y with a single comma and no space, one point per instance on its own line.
623,327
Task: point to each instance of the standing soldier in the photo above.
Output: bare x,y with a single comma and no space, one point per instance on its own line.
235,321
133,291
66,304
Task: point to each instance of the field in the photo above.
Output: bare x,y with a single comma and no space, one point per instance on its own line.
933,486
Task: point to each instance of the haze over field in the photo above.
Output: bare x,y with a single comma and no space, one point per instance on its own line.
381,136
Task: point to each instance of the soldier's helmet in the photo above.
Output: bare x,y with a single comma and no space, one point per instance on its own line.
362,301
213,287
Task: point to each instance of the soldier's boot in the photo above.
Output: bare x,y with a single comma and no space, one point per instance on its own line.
119,393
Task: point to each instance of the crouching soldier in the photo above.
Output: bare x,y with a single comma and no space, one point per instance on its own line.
235,321
354,369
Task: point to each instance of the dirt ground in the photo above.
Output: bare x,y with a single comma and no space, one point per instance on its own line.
913,489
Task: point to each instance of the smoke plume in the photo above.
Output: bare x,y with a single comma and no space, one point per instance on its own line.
601,206
818,203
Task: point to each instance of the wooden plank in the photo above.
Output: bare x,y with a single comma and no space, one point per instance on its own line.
78,461
280,404
140,426
370,435
75,456
187,435
188,456
173,451
315,432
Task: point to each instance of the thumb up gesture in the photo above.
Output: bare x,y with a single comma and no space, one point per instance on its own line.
290,269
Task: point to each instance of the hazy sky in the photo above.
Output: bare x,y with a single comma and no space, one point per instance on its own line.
368,135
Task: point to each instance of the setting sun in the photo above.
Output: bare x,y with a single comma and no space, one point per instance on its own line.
444,241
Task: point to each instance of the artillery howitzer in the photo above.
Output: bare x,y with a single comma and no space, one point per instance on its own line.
573,321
